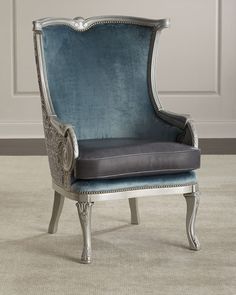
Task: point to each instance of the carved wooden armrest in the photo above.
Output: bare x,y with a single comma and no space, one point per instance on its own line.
70,149
184,122
62,148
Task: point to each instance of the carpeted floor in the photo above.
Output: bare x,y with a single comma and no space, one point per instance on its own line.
151,258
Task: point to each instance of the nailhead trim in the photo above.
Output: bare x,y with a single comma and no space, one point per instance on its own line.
131,189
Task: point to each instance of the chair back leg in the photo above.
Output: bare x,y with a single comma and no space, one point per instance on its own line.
133,204
56,212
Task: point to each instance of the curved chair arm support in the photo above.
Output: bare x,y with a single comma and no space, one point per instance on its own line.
177,120
62,148
190,135
184,122
59,125
70,149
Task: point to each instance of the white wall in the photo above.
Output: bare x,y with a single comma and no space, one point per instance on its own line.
197,60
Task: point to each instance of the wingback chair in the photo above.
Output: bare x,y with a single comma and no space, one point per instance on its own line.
107,135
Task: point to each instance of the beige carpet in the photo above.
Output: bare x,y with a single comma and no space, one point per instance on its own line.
151,258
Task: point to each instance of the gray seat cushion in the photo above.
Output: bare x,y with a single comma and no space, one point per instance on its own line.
125,157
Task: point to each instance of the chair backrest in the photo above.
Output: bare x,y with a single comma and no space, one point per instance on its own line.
99,77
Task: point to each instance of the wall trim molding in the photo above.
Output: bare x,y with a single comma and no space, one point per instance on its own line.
211,92
36,146
20,129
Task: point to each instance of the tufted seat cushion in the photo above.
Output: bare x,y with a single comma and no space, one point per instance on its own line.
125,157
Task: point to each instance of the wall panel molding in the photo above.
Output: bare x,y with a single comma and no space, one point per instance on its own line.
15,91
215,92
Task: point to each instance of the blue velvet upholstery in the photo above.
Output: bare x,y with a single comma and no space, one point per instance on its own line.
98,81
109,185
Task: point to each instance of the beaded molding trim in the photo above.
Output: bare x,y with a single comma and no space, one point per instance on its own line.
81,24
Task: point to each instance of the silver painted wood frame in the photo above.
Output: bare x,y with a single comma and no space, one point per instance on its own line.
62,145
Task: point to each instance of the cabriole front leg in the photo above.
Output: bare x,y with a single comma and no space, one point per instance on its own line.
192,201
84,211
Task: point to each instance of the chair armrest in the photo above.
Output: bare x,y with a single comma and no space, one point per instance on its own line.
184,122
189,136
70,151
177,120
62,148
59,125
